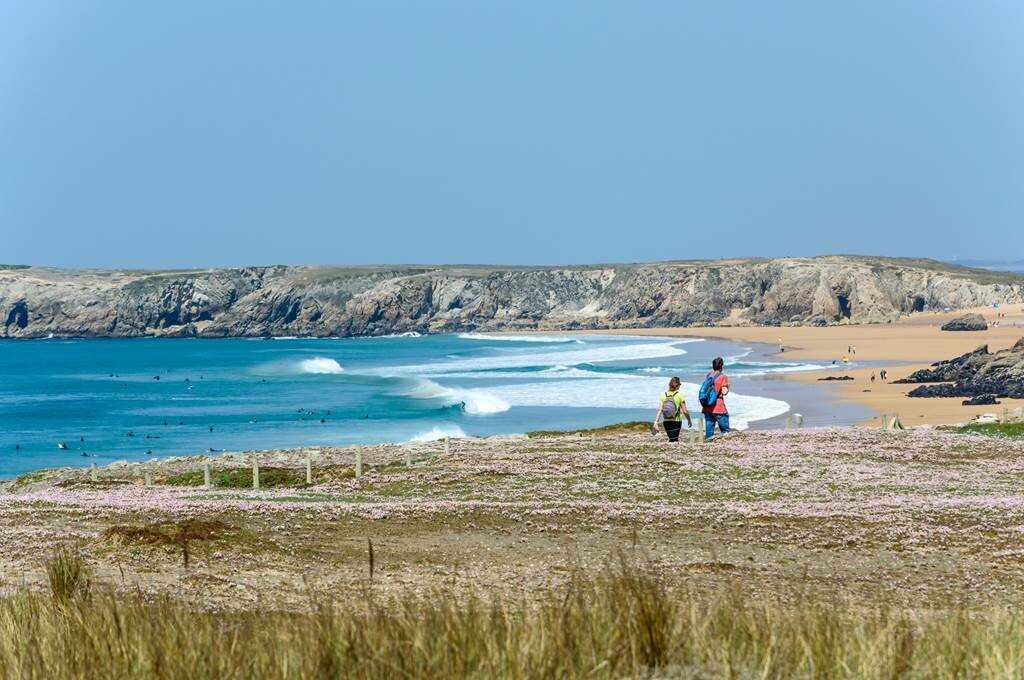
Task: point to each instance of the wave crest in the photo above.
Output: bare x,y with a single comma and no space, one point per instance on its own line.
477,402
320,366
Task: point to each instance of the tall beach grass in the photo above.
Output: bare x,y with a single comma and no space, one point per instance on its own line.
623,622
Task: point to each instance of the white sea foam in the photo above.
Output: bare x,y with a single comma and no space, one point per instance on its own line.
320,365
285,337
520,338
633,392
592,354
478,402
407,334
736,357
440,432
762,367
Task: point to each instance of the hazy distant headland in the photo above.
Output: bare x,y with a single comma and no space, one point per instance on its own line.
323,301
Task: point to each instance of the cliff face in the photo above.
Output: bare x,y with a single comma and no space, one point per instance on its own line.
331,301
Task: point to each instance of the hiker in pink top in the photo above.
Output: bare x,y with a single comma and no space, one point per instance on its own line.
712,399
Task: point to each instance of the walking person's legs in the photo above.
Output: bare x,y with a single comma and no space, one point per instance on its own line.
723,422
709,426
672,429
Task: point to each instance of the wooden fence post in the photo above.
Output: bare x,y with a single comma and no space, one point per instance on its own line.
408,458
207,478
92,472
309,469
359,462
147,479
789,422
798,420
255,471
447,447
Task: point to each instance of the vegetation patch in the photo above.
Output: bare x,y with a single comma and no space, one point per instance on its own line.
1009,430
168,533
240,478
617,428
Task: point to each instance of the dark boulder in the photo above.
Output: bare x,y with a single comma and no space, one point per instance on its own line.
975,374
981,400
837,377
967,322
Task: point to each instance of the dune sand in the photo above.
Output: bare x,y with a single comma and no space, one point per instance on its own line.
903,347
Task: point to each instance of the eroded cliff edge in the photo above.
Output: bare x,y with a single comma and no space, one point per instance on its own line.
342,301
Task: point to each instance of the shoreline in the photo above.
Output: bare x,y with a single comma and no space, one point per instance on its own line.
900,348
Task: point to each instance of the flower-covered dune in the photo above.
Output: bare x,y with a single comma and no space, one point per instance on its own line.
920,516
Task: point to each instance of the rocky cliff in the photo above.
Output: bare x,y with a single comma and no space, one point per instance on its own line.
333,301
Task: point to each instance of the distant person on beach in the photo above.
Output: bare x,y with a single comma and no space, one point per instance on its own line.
712,399
882,374
671,410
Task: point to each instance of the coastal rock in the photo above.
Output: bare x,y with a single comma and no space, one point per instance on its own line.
967,322
345,301
975,374
836,377
981,400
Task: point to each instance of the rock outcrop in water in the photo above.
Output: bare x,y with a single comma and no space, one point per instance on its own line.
334,301
978,373
966,322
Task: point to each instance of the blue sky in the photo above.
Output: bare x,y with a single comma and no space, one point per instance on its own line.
166,134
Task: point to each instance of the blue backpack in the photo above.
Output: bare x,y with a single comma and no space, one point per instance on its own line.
708,395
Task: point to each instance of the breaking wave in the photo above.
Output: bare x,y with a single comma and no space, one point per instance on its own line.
477,402
320,365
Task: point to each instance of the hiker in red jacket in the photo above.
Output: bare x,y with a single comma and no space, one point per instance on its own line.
712,399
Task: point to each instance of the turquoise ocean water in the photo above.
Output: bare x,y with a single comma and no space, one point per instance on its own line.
143,398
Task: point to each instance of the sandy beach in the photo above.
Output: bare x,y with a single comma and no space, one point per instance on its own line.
900,348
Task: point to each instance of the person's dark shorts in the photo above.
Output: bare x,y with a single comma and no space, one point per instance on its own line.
672,429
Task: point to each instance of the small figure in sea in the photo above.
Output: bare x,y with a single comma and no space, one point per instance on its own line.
17,447
129,434
264,380
63,446
323,420
156,377
149,452
187,380
181,422
152,436
366,416
81,439
211,428
84,454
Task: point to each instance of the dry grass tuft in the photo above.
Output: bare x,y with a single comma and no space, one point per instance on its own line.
68,576
168,533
